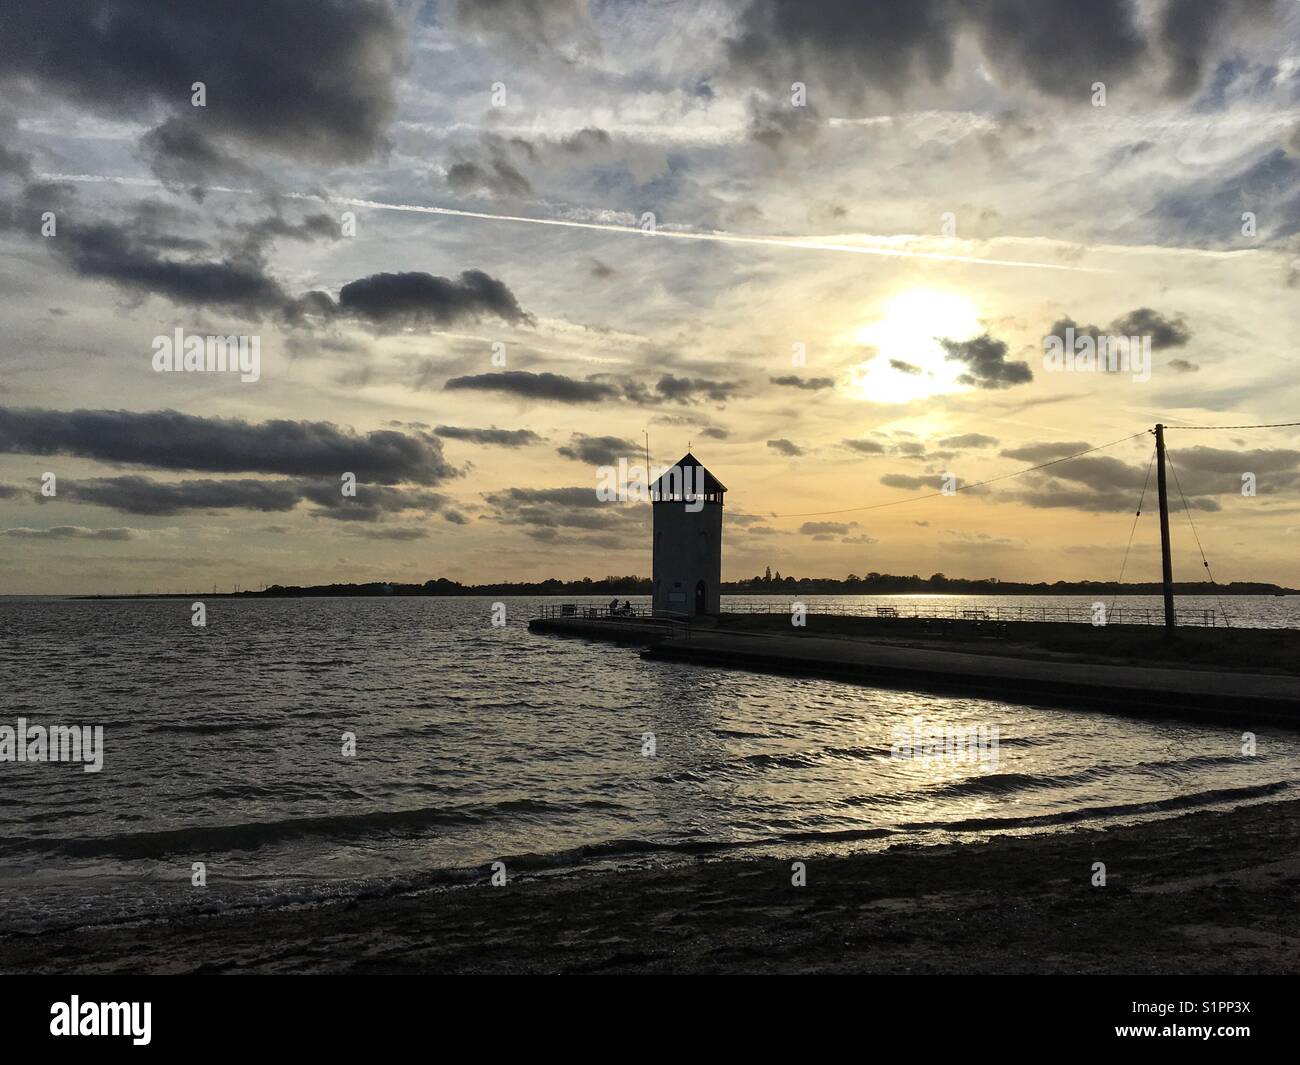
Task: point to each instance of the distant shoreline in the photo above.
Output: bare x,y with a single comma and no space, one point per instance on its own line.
885,586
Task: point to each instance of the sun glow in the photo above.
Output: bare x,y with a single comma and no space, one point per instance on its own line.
907,362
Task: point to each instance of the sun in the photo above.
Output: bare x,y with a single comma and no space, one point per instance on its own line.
907,361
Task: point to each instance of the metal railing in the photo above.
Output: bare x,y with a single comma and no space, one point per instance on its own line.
1068,615
1035,612
593,611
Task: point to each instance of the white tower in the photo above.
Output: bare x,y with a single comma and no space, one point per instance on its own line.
687,561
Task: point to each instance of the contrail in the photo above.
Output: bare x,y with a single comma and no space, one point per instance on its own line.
798,243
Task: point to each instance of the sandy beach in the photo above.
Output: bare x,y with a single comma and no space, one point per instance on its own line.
1206,892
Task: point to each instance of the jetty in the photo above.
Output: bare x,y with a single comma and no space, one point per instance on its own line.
1198,669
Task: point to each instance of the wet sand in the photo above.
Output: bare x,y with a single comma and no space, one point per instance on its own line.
1206,892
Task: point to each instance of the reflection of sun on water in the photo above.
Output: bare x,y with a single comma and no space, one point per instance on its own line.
908,362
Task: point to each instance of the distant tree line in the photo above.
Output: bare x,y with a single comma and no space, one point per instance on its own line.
775,584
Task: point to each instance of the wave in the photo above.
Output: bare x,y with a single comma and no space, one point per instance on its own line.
252,835
1088,813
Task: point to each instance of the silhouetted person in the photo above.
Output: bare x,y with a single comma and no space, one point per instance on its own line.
613,606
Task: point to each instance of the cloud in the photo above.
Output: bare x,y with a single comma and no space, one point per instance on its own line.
865,447
691,389
496,177
904,367
307,80
492,437
1189,30
180,154
1183,366
1165,332
544,512
597,450
559,388
986,359
130,257
1101,483
969,440
822,528
1045,452
396,532
169,440
71,532
713,432
902,480
785,447
142,495
529,26
416,298
855,46
544,386
809,384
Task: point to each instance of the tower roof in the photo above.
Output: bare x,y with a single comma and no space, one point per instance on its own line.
706,483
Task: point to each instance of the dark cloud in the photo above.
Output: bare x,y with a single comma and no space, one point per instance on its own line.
846,49
785,447
986,360
494,436
597,450
397,532
692,389
373,502
1045,452
544,511
496,177
131,258
902,480
601,270
969,440
12,161
865,447
847,45
71,532
170,440
827,528
777,124
141,495
312,80
713,432
904,367
1101,472
543,386
419,299
559,388
1164,331
180,154
586,140
1183,366
1035,41
810,384
1189,30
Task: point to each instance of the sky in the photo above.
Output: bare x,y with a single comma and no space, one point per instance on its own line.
483,249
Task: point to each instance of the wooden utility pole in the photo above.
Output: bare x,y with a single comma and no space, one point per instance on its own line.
1166,561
